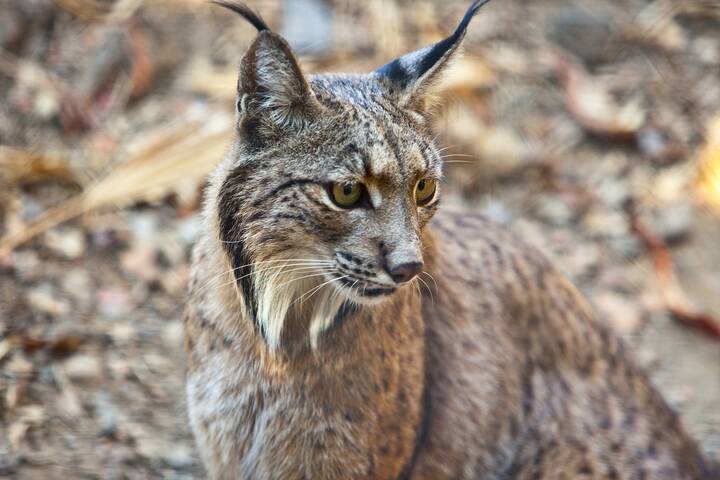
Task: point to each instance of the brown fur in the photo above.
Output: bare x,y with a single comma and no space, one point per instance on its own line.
495,369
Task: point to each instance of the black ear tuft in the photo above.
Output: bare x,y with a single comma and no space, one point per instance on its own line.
246,12
409,72
273,93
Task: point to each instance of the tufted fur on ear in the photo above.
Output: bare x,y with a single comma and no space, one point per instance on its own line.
273,93
411,77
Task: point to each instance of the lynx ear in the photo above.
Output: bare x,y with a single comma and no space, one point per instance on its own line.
272,89
412,76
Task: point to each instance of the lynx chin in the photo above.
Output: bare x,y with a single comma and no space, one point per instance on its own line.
338,328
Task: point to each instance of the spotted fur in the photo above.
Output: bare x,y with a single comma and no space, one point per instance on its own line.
306,360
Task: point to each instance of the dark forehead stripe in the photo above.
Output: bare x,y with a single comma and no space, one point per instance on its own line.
356,160
283,186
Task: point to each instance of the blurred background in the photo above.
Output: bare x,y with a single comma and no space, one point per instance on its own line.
591,128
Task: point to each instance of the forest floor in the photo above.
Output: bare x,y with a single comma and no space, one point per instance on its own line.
591,128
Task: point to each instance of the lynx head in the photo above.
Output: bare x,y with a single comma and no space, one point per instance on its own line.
321,203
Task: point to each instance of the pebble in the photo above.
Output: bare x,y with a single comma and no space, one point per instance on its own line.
673,222
554,210
627,247
502,150
66,242
83,368
173,334
19,366
601,223
189,229
43,299
68,404
613,192
123,333
622,314
78,285
27,265
107,414
114,302
179,456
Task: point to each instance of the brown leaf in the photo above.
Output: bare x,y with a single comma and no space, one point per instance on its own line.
593,107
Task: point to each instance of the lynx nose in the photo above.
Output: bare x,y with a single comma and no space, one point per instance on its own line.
405,272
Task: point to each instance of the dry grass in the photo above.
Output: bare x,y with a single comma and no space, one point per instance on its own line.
181,153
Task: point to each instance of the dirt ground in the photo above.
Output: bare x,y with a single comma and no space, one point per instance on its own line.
591,127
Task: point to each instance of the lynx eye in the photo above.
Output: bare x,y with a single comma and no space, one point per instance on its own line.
346,195
425,191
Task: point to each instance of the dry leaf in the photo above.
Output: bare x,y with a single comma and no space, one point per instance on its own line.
593,107
176,155
23,166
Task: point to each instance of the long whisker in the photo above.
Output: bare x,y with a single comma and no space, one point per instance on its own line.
440,150
417,287
286,264
280,260
432,298
437,289
232,270
316,289
316,274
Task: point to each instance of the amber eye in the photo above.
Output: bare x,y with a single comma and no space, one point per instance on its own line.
425,191
346,195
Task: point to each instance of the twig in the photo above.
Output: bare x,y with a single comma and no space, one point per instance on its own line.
674,297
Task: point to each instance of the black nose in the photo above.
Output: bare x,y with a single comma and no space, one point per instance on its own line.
405,271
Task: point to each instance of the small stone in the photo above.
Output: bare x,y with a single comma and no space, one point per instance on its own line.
601,223
613,192
659,146
179,456
707,50
68,404
67,242
681,395
27,265
554,210
189,229
19,366
141,262
120,368
623,315
502,150
123,333
173,334
674,222
114,302
150,448
625,246
43,299
107,415
83,368
583,259
78,285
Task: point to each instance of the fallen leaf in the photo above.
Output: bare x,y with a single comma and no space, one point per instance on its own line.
592,105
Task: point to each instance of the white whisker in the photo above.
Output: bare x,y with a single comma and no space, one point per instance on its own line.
316,289
432,298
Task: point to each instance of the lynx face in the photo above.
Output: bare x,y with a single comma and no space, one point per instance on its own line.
329,183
